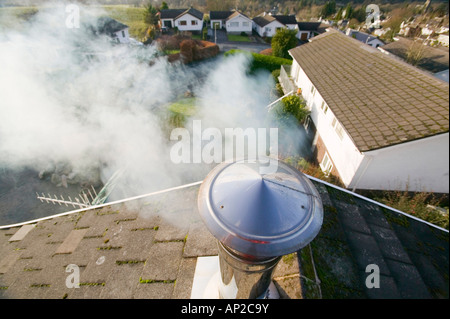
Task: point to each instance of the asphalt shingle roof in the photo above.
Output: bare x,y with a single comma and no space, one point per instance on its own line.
379,100
148,248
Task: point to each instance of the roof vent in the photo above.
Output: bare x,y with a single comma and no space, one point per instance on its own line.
257,218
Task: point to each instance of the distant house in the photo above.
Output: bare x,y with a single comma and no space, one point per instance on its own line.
183,19
376,122
307,30
443,40
364,37
233,21
433,59
266,25
114,29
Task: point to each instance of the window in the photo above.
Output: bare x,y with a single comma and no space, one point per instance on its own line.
313,90
326,165
245,24
194,22
234,24
182,22
338,128
123,34
324,107
267,29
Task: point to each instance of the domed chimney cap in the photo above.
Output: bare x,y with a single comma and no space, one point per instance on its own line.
258,214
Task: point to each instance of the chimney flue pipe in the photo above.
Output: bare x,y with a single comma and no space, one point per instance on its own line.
257,218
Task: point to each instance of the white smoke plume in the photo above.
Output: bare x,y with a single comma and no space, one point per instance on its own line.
69,96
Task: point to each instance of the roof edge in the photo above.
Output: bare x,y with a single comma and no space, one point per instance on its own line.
375,202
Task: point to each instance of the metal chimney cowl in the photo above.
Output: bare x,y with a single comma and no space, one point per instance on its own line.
257,218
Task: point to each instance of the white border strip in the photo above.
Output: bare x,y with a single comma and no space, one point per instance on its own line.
102,205
375,202
198,183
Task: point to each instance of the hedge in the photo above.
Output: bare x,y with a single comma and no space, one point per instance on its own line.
260,61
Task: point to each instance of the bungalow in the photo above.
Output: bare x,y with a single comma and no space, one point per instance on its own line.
266,25
183,19
364,37
114,29
376,122
307,30
233,21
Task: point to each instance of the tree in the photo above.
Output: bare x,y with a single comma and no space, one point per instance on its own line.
164,6
151,15
284,40
328,9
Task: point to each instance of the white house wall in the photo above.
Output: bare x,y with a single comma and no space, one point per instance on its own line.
423,165
271,29
123,36
345,156
189,27
240,27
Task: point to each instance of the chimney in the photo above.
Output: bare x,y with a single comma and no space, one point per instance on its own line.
257,218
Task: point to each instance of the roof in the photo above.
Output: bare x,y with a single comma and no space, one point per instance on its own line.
308,26
177,13
171,13
219,15
193,12
109,26
286,19
236,14
379,100
263,20
149,247
361,36
434,59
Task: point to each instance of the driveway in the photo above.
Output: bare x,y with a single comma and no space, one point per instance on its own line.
220,37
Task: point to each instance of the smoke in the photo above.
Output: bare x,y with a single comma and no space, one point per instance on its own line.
68,96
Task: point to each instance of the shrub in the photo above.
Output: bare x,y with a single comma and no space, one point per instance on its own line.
418,204
260,61
284,40
291,106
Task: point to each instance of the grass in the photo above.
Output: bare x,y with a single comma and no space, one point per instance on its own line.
238,38
419,205
184,106
131,16
12,17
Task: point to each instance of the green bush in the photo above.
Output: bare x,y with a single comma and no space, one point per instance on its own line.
418,204
291,106
260,61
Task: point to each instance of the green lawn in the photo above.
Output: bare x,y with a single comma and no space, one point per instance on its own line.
131,16
184,106
13,17
239,38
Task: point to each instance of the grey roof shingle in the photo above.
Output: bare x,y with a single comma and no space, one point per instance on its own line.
366,88
176,13
147,248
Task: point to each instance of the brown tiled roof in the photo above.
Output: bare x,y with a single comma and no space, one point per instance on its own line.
380,100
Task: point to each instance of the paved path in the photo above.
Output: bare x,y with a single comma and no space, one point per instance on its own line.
256,44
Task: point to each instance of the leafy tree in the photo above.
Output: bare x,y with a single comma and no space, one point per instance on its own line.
164,6
150,15
284,40
328,9
359,14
